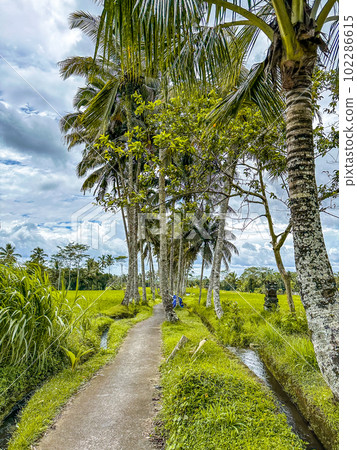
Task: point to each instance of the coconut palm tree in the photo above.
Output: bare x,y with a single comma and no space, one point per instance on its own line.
294,29
203,238
8,255
110,261
102,263
105,105
38,256
92,269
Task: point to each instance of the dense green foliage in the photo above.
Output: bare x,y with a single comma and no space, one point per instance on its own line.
34,317
253,280
43,407
35,321
210,401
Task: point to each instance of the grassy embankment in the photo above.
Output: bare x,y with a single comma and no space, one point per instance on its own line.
211,401
282,341
80,333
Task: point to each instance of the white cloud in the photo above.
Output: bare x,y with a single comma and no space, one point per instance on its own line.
40,194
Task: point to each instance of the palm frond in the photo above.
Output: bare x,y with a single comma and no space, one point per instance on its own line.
255,88
97,114
82,66
331,58
86,22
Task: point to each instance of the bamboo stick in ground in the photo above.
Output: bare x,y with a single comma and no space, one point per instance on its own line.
179,345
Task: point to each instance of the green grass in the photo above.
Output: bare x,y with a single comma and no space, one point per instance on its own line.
211,401
42,321
284,344
47,402
99,302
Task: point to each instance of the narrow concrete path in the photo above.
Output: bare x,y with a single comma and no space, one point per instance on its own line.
115,409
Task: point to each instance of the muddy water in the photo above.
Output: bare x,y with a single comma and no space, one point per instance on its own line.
296,421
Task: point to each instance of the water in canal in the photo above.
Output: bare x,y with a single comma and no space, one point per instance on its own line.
296,421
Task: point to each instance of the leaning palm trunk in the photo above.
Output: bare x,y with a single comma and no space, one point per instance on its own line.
164,262
317,284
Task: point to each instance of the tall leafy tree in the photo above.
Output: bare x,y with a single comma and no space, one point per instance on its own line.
294,28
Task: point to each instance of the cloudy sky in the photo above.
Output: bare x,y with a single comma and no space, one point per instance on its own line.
41,202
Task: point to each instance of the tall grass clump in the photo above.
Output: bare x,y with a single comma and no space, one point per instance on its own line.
34,318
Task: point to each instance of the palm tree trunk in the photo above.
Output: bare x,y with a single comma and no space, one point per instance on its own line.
164,282
129,286
185,281
216,267
152,274
59,278
143,280
131,241
183,278
119,194
171,277
210,284
319,293
136,294
179,265
201,278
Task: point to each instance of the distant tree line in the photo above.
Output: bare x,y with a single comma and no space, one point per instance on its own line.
71,267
